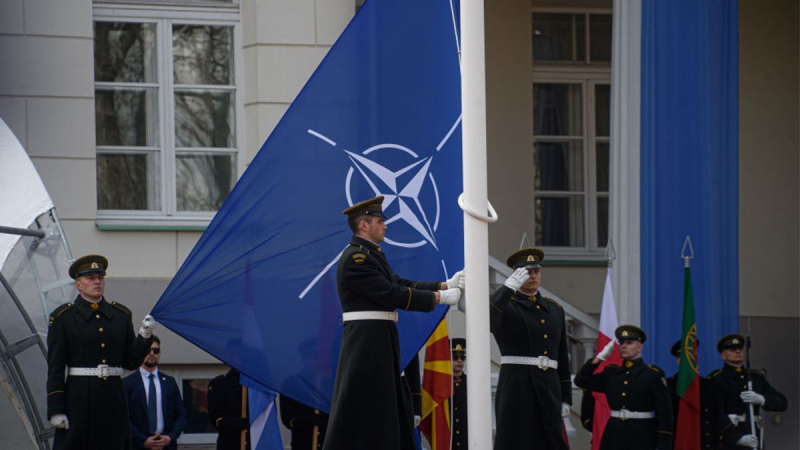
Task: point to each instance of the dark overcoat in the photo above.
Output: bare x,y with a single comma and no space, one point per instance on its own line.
301,420
97,409
459,423
528,402
731,382
709,436
638,387
225,411
370,405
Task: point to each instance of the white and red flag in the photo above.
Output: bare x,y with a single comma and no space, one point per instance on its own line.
608,323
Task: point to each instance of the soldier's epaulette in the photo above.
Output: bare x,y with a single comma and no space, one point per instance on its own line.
756,372
655,368
713,374
553,302
61,310
122,308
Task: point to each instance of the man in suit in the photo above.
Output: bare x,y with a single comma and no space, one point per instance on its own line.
155,405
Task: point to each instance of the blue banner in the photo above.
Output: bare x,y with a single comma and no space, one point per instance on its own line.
689,172
381,115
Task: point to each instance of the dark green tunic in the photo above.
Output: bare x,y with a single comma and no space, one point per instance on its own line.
97,408
370,405
528,402
636,387
732,381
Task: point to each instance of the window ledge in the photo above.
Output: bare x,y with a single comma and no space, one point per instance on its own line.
165,224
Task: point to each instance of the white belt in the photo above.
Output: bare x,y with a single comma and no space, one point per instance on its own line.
542,362
741,418
101,371
369,315
625,414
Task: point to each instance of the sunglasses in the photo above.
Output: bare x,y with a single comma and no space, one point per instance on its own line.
155,350
460,357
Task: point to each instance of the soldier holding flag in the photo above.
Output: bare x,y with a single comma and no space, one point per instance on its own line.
732,382
371,405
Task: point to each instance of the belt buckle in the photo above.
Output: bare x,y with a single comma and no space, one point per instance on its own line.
104,371
541,363
623,414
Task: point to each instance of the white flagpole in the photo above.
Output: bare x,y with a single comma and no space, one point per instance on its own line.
476,229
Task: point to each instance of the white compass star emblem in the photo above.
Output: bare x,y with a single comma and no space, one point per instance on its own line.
386,182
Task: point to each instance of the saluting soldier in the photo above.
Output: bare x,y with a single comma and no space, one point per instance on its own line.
369,409
641,409
90,341
459,423
735,398
534,391
225,411
708,427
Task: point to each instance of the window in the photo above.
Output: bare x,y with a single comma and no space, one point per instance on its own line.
571,111
168,113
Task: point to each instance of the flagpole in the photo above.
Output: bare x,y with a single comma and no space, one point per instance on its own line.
476,224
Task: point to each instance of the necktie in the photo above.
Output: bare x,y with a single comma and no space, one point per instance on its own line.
152,417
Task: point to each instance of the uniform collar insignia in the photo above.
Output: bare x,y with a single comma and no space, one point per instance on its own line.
628,364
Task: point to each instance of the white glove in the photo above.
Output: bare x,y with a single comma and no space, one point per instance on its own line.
517,279
148,323
450,296
60,421
457,281
752,397
565,410
606,351
416,420
748,440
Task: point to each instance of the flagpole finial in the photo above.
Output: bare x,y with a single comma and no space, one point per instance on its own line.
524,240
611,253
690,256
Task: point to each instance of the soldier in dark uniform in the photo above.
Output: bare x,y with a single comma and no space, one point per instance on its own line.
304,421
641,409
225,411
459,422
708,427
369,408
412,376
91,340
735,398
534,391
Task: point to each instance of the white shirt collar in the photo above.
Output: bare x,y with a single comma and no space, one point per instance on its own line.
145,374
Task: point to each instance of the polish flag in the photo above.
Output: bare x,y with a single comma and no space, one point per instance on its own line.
608,323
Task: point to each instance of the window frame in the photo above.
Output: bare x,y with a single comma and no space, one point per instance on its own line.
588,75
165,16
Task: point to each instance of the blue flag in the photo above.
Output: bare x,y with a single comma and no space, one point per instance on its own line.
265,433
381,115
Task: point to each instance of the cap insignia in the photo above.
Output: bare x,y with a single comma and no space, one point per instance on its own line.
95,265
459,348
531,258
625,333
735,341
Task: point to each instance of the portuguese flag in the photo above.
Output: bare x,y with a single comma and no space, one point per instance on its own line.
687,429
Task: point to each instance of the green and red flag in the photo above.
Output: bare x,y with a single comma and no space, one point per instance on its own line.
437,389
687,428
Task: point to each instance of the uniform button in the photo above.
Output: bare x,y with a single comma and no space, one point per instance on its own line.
456,420
627,373
545,352
623,407
744,387
625,382
624,394
458,432
537,307
102,345
706,424
104,361
100,329
542,320
456,408
456,384
545,336
458,444
97,315
706,409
